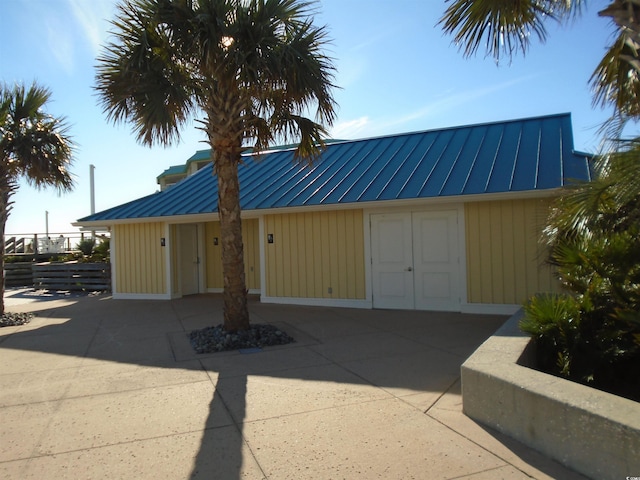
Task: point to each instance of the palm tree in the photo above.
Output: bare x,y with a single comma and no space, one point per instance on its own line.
33,145
248,71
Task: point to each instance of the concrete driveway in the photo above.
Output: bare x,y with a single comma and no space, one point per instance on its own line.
96,388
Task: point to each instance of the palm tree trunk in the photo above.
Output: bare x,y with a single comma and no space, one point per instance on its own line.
236,312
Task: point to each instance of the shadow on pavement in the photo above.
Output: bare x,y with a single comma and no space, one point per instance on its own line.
116,374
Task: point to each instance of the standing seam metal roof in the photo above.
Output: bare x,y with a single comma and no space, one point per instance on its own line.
518,155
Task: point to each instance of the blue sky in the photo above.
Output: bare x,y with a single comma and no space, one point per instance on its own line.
396,70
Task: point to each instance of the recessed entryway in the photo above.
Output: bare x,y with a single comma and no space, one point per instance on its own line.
189,259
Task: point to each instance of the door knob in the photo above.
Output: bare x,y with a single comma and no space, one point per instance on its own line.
409,269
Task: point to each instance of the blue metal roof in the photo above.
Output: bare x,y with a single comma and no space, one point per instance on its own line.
512,156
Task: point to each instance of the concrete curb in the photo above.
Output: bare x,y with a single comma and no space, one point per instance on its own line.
590,431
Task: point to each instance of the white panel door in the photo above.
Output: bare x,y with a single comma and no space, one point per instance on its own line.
391,265
188,259
415,260
436,260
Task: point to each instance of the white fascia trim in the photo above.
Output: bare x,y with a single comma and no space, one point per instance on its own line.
142,296
318,302
379,205
252,291
171,220
490,308
175,219
89,226
376,204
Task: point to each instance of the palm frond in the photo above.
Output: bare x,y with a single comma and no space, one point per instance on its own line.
502,27
141,75
236,61
616,79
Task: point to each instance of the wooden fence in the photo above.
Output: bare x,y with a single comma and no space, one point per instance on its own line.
18,274
71,276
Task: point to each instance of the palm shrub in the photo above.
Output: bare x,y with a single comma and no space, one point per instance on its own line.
103,248
86,246
90,250
591,333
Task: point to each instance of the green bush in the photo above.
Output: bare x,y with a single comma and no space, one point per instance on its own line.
92,251
70,257
13,259
591,334
103,247
86,246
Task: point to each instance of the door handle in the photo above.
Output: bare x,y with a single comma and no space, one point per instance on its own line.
409,269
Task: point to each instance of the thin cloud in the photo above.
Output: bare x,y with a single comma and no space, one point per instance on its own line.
454,101
91,18
350,128
77,26
60,43
366,127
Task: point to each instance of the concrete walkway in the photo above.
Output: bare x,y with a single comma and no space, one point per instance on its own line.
96,388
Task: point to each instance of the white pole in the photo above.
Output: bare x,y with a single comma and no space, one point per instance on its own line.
92,188
46,223
92,192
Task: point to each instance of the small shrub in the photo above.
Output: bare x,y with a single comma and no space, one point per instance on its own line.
97,258
13,259
71,257
554,323
102,248
585,345
86,246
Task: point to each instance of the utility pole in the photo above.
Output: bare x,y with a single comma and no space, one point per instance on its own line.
92,192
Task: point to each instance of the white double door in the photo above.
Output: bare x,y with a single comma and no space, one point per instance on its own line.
415,260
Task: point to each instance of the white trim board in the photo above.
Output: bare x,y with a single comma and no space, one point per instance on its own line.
142,296
317,302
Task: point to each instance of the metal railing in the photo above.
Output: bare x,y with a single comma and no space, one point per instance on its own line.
41,243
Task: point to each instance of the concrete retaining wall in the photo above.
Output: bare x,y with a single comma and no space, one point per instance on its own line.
592,432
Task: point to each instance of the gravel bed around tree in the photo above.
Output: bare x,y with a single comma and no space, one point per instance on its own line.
15,319
217,339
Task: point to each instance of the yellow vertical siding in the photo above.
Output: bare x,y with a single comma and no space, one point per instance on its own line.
140,261
213,256
505,263
250,234
315,252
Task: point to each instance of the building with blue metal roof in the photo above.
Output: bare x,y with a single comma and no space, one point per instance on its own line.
440,219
